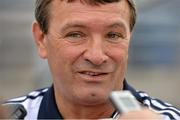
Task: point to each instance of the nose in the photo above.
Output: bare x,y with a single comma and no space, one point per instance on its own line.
95,53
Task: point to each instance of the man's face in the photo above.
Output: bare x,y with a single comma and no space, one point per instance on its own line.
87,49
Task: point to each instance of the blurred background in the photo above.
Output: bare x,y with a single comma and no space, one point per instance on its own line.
154,59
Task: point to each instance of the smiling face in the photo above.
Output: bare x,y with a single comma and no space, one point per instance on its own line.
87,49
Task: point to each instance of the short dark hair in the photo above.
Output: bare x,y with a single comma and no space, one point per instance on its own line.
42,12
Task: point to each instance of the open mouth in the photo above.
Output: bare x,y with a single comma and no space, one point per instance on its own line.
93,73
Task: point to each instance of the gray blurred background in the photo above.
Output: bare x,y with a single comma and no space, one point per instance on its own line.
154,59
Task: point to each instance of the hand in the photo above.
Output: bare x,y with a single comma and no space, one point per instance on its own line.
144,114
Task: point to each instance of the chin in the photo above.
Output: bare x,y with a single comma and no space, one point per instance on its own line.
94,98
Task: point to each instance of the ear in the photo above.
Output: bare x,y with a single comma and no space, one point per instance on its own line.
39,38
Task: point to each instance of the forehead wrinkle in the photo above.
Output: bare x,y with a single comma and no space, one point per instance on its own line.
118,25
87,25
65,5
76,9
73,25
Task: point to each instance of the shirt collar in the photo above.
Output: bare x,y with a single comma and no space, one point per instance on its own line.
48,108
132,90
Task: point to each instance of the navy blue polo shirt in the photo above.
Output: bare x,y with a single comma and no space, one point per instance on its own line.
48,108
41,104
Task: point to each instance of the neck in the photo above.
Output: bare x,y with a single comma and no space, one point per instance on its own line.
71,110
85,112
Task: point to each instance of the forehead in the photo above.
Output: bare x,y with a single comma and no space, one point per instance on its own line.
62,9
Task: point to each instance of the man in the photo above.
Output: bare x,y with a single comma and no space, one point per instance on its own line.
86,45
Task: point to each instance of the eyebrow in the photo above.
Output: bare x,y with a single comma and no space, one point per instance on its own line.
118,25
80,25
73,25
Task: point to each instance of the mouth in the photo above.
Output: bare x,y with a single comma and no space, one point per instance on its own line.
89,73
91,76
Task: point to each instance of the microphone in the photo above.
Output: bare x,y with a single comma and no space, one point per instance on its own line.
124,101
15,111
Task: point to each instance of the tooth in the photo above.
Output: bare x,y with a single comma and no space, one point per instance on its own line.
91,73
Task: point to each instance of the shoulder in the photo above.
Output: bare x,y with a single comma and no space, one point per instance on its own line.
167,110
31,102
32,96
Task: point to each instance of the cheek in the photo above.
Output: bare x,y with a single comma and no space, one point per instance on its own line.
70,54
66,56
119,53
61,63
120,57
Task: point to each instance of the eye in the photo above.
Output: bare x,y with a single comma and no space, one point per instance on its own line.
75,35
114,36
